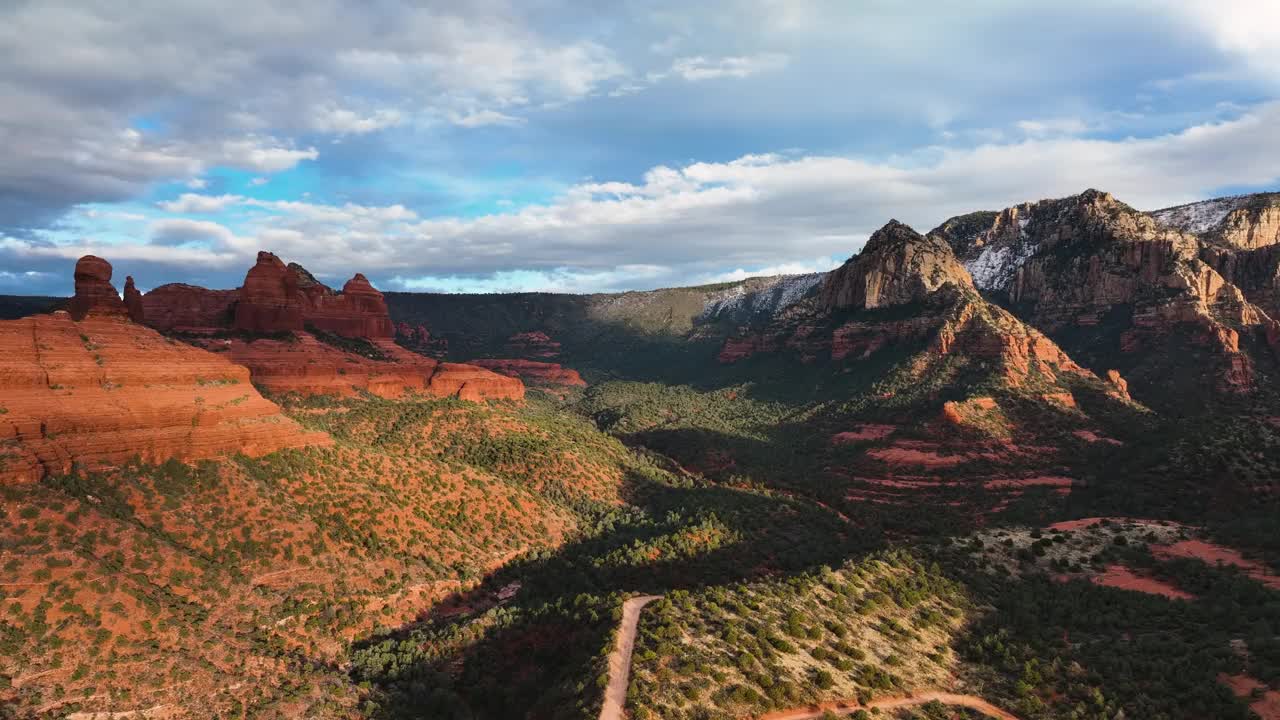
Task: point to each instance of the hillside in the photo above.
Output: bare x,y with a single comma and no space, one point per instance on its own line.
1021,465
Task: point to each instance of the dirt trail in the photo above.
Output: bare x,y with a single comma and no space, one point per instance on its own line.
848,707
615,695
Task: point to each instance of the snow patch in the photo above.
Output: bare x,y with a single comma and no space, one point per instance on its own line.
767,296
1199,217
995,266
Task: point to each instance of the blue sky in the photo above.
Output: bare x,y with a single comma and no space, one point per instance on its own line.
493,145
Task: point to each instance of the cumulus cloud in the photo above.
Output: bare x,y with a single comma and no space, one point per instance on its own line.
758,213
238,83
341,121
171,232
194,203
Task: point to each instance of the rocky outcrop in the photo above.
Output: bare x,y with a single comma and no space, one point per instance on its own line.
103,390
269,299
533,372
468,382
303,364
95,295
275,298
358,311
1076,262
534,344
420,340
189,308
1241,222
133,301
897,266
1255,272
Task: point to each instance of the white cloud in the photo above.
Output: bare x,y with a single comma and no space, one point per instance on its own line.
263,155
173,232
480,118
194,203
1053,126
1248,30
698,68
340,121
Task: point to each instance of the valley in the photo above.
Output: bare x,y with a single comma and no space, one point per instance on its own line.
1024,465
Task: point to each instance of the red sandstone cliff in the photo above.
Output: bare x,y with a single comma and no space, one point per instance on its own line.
102,390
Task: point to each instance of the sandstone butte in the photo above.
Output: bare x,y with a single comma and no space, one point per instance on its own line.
101,389
290,305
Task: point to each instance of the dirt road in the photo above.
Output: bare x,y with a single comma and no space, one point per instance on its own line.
615,695
849,707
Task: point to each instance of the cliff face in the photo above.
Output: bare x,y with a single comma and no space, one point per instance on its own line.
101,390
947,319
274,298
897,266
279,299
269,299
1242,222
187,308
306,365
1075,262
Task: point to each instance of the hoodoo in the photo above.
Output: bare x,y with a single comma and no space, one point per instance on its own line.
95,295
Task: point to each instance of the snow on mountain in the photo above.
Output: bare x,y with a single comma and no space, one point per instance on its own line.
1199,217
759,296
995,266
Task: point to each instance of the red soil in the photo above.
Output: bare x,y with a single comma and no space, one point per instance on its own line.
1267,707
1119,576
908,456
864,432
1214,554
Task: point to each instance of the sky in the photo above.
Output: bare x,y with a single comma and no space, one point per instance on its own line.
577,146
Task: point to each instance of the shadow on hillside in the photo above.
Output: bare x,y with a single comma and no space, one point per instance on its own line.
545,646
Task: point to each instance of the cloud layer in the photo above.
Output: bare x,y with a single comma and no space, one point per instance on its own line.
566,145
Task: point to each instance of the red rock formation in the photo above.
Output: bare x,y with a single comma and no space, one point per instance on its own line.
897,266
269,300
419,339
305,365
738,348
100,391
476,384
189,308
133,300
95,295
359,311
1120,386
532,345
274,298
532,371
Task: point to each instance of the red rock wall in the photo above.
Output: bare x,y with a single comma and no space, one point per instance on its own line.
182,307
308,366
269,299
100,391
534,371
